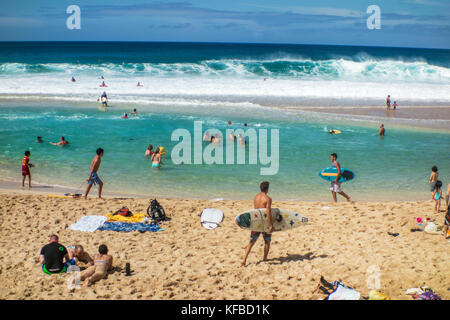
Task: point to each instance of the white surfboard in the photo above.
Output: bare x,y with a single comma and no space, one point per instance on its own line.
211,218
256,220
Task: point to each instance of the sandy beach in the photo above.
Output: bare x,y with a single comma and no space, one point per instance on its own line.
187,261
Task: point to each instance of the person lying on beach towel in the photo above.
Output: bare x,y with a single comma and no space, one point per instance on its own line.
52,256
102,264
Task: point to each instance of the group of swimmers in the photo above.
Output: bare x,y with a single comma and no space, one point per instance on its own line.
56,258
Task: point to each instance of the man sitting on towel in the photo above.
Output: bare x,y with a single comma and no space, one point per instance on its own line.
52,256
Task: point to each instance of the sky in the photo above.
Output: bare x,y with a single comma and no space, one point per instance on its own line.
404,23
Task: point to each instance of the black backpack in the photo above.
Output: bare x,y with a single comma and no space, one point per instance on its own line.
156,212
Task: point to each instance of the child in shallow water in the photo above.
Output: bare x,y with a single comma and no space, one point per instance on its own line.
433,179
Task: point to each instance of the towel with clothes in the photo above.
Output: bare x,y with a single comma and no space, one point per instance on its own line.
88,223
137,217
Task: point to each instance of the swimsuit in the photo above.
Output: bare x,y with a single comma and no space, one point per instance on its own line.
254,235
94,178
25,166
155,165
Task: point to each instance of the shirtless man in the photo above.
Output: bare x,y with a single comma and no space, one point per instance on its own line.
77,252
102,264
335,185
261,201
62,142
388,102
382,131
93,177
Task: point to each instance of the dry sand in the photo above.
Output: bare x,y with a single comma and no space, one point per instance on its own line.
186,261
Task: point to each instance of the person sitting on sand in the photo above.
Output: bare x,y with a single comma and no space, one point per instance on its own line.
102,264
149,152
261,201
77,253
335,184
62,142
433,179
382,130
52,256
93,177
26,165
437,195
39,140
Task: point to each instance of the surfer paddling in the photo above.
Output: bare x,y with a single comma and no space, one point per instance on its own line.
261,201
335,185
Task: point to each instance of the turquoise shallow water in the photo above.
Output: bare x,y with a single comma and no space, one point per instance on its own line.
395,167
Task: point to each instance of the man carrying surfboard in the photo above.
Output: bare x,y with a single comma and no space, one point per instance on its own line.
261,201
335,185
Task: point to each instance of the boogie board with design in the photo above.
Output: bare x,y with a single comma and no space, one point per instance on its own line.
256,220
330,174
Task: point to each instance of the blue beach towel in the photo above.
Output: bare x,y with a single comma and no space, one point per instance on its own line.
127,227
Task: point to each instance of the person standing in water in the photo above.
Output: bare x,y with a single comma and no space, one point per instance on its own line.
261,201
335,184
62,142
93,177
388,102
382,131
156,158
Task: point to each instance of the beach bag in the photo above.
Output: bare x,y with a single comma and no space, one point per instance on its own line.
429,295
343,292
156,212
125,212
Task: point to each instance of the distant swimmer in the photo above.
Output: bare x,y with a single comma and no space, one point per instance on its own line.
62,142
134,111
232,137
73,79
388,102
382,131
125,116
395,105
102,77
241,140
103,84
149,152
139,84
206,136
229,123
39,140
245,124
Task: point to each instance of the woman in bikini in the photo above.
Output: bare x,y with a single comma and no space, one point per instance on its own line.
102,264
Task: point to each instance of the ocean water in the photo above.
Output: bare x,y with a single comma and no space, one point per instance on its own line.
217,83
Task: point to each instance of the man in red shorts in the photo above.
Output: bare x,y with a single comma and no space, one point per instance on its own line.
26,165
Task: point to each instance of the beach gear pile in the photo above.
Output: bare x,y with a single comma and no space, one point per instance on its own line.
423,293
336,290
122,220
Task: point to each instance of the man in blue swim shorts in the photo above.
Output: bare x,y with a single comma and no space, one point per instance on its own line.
261,201
93,177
